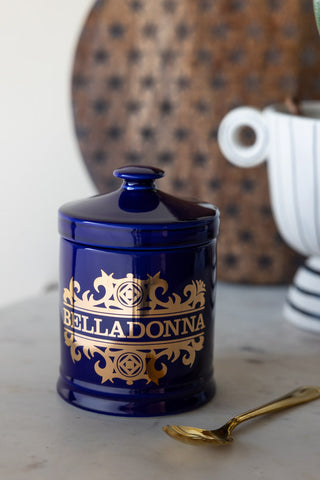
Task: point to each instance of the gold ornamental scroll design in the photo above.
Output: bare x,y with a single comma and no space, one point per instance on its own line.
134,297
134,361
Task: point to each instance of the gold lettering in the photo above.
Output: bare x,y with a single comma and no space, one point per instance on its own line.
117,330
131,329
85,325
170,326
67,317
77,321
160,332
184,331
97,329
200,323
190,323
134,330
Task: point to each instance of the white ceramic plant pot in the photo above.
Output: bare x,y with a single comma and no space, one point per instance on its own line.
291,146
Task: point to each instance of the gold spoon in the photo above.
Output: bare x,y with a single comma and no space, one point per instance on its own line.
222,436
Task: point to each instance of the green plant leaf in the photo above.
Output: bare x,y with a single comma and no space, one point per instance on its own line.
316,7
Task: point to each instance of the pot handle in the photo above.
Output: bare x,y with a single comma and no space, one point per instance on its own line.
229,137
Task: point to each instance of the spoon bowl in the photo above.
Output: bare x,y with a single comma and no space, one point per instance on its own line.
194,435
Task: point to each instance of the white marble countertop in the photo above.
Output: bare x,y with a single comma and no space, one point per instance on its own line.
258,357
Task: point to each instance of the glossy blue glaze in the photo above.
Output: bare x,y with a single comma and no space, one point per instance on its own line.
138,177
137,289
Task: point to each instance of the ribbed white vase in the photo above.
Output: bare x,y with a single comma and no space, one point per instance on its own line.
291,145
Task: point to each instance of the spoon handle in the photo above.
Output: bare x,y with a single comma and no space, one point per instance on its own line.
296,397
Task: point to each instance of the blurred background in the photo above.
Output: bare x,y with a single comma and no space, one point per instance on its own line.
40,160
88,86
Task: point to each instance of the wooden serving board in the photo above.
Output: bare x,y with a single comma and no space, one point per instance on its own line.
152,80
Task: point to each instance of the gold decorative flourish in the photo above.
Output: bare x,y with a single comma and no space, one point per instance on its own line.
132,361
133,297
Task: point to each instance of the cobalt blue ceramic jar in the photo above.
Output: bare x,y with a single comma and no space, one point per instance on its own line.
137,290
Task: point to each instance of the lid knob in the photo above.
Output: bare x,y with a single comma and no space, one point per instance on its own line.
138,177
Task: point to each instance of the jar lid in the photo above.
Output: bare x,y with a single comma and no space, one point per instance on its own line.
138,215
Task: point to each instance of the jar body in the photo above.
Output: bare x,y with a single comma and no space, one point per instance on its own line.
137,328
